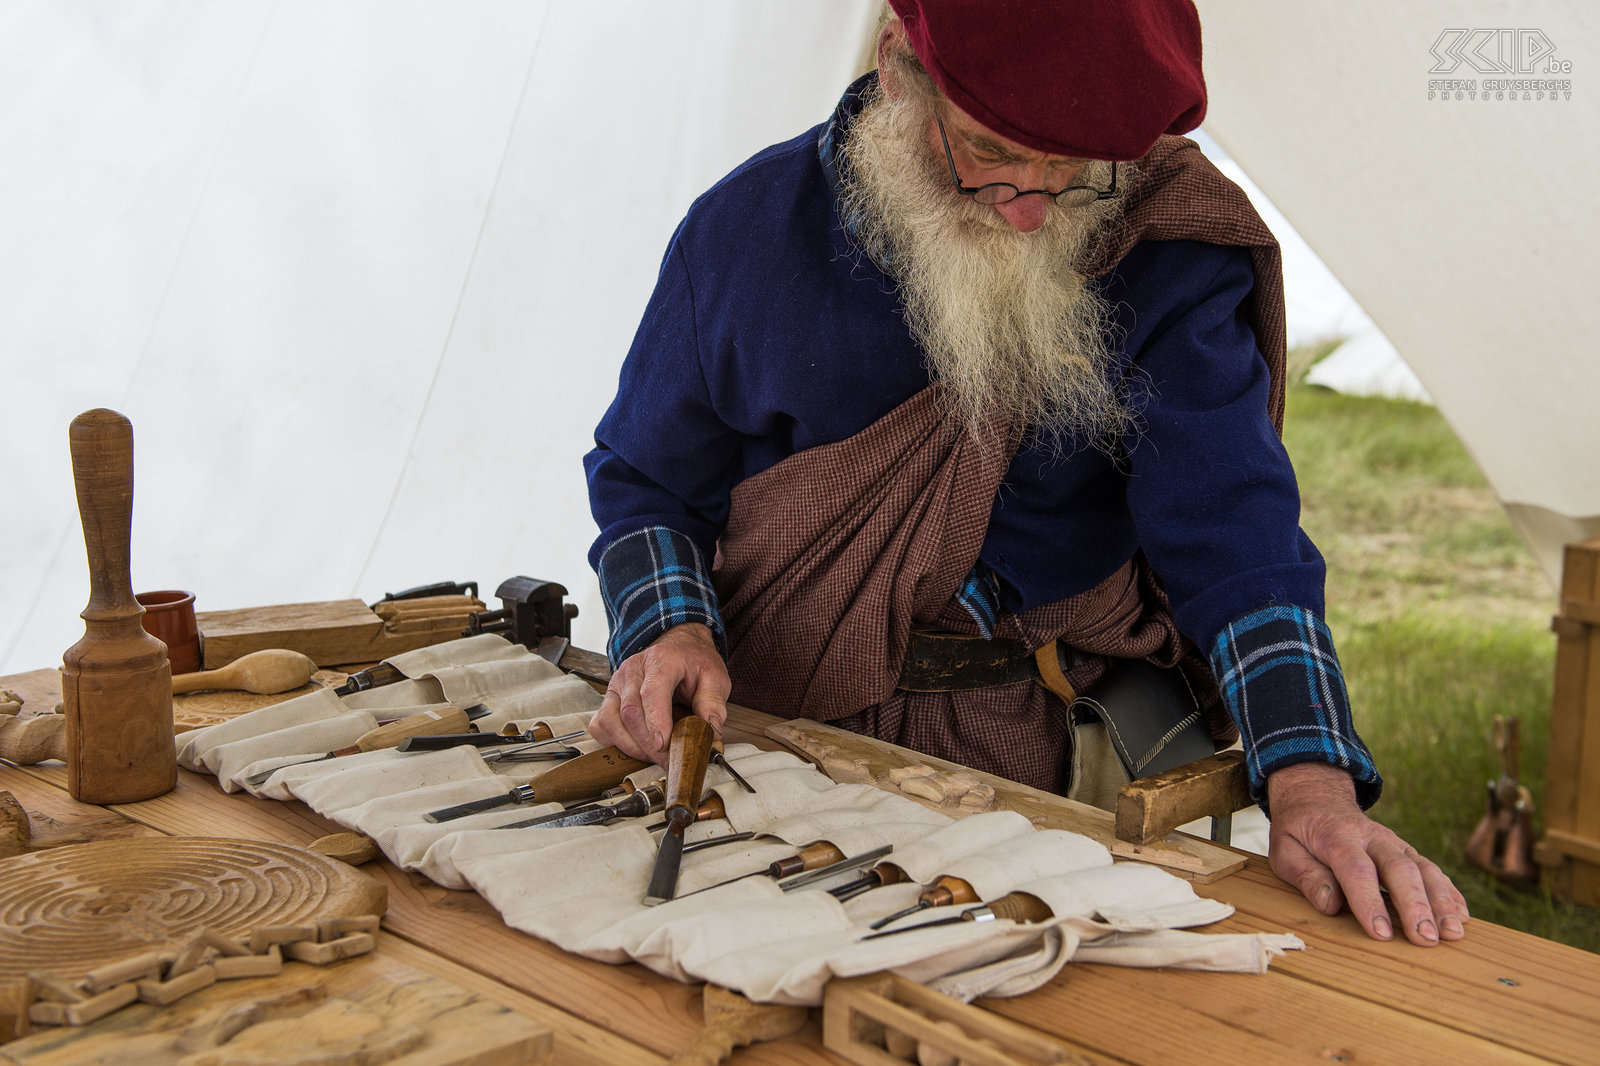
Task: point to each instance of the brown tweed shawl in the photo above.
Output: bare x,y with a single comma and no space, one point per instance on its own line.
829,557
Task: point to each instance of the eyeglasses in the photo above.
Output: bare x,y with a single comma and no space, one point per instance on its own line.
1000,192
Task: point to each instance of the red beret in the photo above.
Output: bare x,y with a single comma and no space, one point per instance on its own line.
1095,79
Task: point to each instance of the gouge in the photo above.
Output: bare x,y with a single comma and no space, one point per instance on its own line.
539,734
942,893
688,753
1018,906
443,720
587,775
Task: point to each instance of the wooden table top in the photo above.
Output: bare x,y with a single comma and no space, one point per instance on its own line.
1498,996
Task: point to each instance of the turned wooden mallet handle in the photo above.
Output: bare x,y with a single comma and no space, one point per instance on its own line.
101,442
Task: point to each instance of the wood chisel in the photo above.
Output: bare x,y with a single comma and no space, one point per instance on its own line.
442,720
587,775
1020,907
820,860
942,893
688,753
539,734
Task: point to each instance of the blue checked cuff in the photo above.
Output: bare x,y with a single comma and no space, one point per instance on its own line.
979,595
652,580
1283,685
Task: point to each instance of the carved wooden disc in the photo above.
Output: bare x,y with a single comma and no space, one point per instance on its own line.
70,909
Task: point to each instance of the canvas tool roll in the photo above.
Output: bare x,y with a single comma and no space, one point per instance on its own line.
582,888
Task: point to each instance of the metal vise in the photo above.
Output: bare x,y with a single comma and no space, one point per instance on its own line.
533,611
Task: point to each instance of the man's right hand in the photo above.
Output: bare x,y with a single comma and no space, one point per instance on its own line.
636,714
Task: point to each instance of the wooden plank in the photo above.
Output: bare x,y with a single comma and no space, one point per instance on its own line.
331,632
374,1008
1564,762
1497,984
846,756
576,1042
1159,1017
1152,807
1586,820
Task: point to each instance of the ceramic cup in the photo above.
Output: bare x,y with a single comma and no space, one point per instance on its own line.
169,617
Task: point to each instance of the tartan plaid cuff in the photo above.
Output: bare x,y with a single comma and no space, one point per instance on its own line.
652,580
979,596
1282,683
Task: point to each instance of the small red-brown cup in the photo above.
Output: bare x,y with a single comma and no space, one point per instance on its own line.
169,617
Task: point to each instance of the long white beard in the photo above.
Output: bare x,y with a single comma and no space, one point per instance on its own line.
1006,319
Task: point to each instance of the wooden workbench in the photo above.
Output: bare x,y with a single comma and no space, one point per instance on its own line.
1498,996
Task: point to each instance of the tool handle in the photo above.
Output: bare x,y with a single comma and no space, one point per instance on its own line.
947,890
1021,907
539,732
422,724
101,442
587,775
889,874
811,857
687,754
712,809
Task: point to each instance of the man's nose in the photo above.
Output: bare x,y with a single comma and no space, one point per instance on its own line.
1025,213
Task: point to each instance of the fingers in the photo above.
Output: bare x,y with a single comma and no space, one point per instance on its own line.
636,714
1291,861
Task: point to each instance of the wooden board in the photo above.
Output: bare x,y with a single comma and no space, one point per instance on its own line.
331,632
850,757
1572,794
369,1010
67,910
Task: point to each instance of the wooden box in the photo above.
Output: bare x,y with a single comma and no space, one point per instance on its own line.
1569,852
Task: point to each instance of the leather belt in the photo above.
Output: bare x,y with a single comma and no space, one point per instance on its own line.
954,662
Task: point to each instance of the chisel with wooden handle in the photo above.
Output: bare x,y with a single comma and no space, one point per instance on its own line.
587,775
688,754
1020,907
943,892
539,734
442,720
817,862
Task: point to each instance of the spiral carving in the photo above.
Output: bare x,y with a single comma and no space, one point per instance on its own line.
67,910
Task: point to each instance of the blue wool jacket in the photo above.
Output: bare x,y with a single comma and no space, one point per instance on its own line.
769,333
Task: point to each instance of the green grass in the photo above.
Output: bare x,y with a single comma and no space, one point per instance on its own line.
1442,621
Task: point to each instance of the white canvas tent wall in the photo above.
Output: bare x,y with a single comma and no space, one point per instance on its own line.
362,273
1465,228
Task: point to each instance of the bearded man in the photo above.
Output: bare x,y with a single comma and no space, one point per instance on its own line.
953,421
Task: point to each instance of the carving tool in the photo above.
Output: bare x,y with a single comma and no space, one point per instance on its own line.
1020,907
372,677
818,861
582,777
722,760
942,893
885,873
539,734
688,753
447,719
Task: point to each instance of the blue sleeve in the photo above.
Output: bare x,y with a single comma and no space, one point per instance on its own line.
1210,487
663,456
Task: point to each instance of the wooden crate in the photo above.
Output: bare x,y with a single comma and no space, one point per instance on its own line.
1569,852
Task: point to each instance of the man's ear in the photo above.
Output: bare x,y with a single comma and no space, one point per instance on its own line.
891,39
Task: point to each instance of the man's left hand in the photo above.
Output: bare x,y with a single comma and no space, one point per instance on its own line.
1324,844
